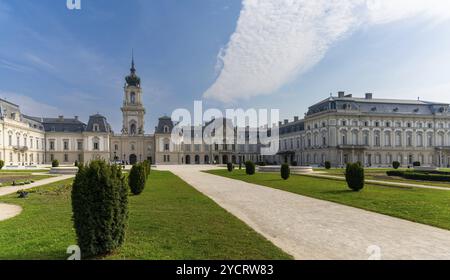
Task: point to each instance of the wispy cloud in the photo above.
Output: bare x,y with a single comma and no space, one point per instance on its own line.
39,62
7,64
29,105
276,41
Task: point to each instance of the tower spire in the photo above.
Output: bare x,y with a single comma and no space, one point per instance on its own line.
133,68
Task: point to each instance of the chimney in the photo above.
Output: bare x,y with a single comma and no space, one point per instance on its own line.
61,118
76,118
280,123
369,95
286,121
296,119
341,94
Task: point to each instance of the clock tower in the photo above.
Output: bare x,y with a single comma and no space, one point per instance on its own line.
133,110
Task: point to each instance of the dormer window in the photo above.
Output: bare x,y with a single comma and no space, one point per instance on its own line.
96,128
166,129
395,109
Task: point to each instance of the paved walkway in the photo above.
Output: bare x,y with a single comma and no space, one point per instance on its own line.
314,229
378,182
8,211
10,190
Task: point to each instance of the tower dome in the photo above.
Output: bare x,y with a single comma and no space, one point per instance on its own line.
133,79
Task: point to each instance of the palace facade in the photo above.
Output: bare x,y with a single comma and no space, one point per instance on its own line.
339,129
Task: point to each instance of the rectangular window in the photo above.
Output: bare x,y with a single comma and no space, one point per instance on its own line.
52,157
166,147
10,140
96,148
52,145
80,145
66,158
66,145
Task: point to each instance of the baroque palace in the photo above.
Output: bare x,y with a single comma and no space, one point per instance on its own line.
339,129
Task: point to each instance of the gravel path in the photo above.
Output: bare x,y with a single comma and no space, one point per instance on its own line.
311,229
8,211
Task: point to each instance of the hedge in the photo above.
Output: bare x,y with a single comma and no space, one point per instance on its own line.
55,163
421,176
100,208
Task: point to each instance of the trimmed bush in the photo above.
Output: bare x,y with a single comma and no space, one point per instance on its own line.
137,179
294,163
285,171
327,165
2,164
55,163
230,167
354,175
100,208
240,165
416,163
396,164
249,168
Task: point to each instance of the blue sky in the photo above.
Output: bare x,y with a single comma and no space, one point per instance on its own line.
229,53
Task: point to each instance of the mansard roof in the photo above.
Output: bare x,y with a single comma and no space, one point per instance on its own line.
348,103
163,122
62,124
103,125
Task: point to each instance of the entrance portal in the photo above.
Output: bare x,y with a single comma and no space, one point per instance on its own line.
133,159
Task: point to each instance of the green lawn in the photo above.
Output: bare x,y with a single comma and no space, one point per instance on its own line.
170,220
425,206
379,174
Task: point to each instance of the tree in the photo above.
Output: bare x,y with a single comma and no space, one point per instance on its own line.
100,208
396,164
55,163
249,168
137,179
230,167
285,171
2,164
354,175
327,165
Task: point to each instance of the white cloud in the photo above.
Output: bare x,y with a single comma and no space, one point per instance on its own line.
29,106
277,40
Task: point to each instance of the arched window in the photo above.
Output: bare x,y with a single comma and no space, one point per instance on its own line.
166,129
419,140
355,138
366,138
133,98
387,140
398,139
409,139
377,139
133,129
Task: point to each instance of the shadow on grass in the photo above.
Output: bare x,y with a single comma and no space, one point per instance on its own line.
340,192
